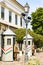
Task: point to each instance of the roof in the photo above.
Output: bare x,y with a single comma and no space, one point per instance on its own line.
18,4
15,2
8,32
28,36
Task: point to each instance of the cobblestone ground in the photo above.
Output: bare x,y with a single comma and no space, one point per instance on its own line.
11,63
40,56
21,62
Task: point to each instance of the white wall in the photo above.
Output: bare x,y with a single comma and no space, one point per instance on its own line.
29,48
16,9
18,20
9,56
13,7
0,11
13,17
23,23
6,13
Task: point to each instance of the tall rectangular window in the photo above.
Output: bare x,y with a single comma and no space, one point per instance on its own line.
16,19
21,21
10,16
8,41
28,42
2,12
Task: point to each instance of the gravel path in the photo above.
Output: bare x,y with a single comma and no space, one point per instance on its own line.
11,63
21,62
40,56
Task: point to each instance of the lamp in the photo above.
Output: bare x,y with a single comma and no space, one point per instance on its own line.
26,19
26,7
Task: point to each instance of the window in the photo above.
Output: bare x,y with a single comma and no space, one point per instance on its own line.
21,21
16,19
10,16
28,42
2,12
8,41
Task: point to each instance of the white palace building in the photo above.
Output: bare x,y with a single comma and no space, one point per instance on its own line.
10,16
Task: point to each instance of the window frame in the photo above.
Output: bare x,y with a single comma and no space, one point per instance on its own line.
28,42
2,13
10,16
20,21
16,19
9,41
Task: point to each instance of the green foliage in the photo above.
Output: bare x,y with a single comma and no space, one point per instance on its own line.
34,61
20,33
38,39
37,21
38,50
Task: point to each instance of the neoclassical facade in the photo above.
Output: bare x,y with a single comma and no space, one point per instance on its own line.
10,16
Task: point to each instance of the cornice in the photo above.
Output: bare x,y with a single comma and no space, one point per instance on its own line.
5,6
17,4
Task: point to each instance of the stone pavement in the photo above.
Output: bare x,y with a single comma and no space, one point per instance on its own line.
21,62
40,57
11,63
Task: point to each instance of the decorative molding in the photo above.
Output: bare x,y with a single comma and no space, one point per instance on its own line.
10,9
6,51
10,24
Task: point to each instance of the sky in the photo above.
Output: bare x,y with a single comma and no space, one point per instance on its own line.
34,4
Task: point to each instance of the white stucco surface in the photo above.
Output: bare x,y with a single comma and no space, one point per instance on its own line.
28,36
8,32
8,46
8,56
29,47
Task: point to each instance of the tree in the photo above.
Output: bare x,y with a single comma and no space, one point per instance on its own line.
20,33
37,39
37,21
